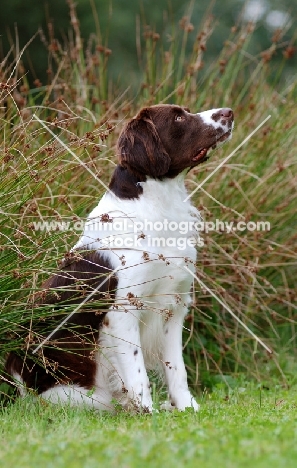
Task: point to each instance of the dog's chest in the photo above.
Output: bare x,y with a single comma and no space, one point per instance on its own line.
160,221
150,239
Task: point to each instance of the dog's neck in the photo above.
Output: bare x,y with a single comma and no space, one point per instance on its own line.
127,185
124,184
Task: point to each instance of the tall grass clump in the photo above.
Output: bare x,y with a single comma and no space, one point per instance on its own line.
50,170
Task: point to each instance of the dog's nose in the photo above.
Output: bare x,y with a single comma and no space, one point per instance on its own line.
227,113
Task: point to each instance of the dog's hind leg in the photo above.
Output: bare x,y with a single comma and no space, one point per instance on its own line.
74,395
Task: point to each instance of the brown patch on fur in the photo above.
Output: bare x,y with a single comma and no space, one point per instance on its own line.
106,321
69,355
140,147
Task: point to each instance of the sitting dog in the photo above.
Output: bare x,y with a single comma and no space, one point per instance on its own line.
135,257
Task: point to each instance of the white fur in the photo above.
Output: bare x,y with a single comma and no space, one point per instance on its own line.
206,116
19,383
74,395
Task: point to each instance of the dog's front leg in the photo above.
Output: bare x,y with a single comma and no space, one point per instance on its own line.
174,367
122,353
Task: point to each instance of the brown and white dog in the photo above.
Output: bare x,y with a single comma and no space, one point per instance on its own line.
132,257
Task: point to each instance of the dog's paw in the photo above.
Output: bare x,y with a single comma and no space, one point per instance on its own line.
180,404
194,405
187,401
139,406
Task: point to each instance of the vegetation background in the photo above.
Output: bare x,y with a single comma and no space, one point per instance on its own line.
119,24
86,71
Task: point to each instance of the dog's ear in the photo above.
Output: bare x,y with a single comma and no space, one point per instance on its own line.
140,148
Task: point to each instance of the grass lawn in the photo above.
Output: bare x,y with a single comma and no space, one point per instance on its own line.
246,428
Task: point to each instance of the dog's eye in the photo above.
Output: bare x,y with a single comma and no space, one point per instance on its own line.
179,118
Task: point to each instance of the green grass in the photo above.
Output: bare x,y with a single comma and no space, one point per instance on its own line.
246,427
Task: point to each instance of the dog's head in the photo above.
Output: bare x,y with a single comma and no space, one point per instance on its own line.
164,140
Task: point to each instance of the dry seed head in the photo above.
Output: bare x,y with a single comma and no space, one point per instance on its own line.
167,56
145,256
5,86
278,33
148,33
37,83
289,52
184,22
181,89
267,55
250,27
189,28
